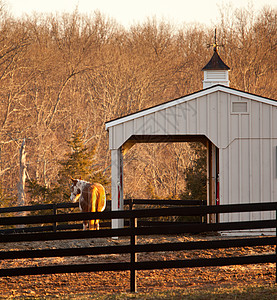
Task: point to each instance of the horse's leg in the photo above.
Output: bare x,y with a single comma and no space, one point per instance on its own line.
85,225
91,224
96,224
94,197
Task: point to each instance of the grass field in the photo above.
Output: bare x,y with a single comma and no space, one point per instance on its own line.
267,292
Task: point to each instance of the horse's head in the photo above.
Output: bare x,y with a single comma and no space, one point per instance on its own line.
75,190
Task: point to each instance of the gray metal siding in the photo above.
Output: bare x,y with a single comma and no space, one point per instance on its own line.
249,159
247,141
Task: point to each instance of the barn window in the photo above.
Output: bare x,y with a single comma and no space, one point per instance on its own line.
239,107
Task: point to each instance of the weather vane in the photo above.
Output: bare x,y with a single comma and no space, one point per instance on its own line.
215,45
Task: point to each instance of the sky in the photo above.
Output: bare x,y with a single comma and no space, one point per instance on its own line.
131,12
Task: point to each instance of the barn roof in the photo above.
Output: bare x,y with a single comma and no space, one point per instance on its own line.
188,97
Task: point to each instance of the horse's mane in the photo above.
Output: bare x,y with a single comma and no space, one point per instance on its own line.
84,181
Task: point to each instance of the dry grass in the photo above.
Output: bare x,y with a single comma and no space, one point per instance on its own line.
267,292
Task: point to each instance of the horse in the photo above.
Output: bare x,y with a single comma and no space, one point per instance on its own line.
92,198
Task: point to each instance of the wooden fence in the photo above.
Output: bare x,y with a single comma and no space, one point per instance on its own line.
133,248
57,208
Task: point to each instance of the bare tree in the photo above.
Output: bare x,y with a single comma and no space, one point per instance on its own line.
63,72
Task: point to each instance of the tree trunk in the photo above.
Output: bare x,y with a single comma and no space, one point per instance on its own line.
22,175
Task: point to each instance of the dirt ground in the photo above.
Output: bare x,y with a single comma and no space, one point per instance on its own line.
64,285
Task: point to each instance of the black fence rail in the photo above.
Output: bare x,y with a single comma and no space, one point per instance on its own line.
57,208
153,203
167,202
133,248
39,209
133,231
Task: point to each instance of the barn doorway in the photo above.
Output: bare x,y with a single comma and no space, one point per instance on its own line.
212,161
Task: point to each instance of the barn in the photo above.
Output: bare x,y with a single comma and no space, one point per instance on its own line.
238,128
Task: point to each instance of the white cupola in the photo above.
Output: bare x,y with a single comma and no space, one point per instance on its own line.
215,71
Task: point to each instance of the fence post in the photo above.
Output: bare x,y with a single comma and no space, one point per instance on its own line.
131,204
133,271
55,213
202,217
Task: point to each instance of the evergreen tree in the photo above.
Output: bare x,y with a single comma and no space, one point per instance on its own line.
196,174
78,160
78,163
